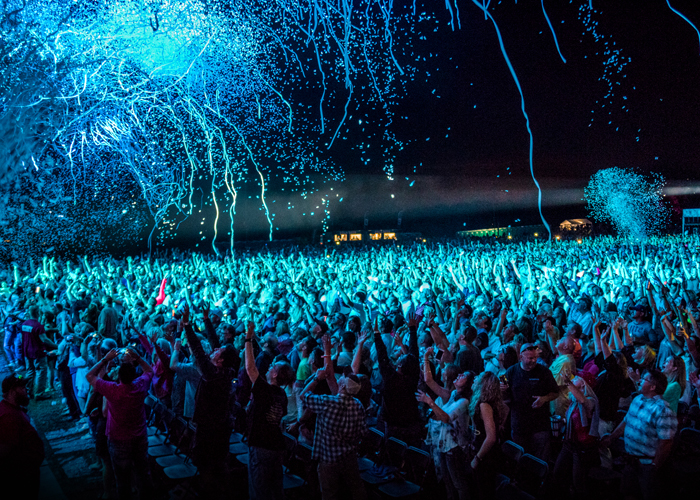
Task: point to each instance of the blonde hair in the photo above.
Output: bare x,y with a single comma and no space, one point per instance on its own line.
648,356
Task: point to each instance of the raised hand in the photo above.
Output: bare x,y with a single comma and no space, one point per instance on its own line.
412,323
423,398
250,332
113,353
326,342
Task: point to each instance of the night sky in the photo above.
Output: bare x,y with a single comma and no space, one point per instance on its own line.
628,96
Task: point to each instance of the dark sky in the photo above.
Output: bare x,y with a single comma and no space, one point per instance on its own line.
628,96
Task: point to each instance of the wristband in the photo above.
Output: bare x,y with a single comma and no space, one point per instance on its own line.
248,340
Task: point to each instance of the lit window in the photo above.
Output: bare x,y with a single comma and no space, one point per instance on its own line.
389,236
375,236
356,237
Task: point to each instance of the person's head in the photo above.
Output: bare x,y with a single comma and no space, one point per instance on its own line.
584,304
408,366
644,355
226,358
316,359
281,328
126,373
638,312
349,384
348,341
281,374
33,311
544,311
508,356
336,320
106,346
509,332
524,325
482,320
544,352
463,384
487,389
449,375
674,369
306,345
528,356
574,330
467,335
269,342
496,306
565,345
14,390
355,324
654,383
559,314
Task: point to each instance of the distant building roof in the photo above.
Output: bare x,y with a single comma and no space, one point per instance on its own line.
576,222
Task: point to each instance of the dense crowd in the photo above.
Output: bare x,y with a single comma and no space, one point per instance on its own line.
582,353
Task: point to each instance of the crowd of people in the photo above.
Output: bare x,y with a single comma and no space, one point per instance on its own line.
582,353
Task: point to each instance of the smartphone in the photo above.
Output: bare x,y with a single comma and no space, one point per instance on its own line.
38,289
439,354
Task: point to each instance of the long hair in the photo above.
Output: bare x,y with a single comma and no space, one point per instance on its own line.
487,389
648,357
679,375
467,392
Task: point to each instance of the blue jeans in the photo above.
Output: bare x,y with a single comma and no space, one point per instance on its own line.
131,456
456,473
536,444
8,344
265,473
339,477
37,369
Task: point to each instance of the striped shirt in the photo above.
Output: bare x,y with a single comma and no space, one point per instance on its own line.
648,421
340,425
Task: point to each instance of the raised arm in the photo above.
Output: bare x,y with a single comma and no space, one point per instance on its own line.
328,364
212,337
385,367
204,364
250,367
357,358
428,377
175,358
413,334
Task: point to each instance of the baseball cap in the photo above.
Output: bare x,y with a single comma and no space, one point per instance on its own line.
12,381
527,347
639,307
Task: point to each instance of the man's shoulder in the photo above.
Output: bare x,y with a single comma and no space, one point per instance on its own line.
9,413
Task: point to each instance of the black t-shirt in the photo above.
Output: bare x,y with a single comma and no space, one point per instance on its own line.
524,386
611,385
75,308
267,409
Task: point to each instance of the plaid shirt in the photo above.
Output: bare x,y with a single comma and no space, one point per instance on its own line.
648,421
340,425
